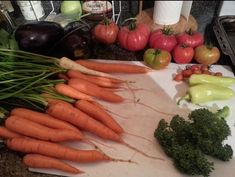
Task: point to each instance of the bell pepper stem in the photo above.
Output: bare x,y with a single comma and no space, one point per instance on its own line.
185,97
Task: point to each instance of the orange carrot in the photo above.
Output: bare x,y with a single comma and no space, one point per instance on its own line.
35,130
73,115
6,134
29,145
85,122
113,67
42,161
71,92
96,112
100,81
43,118
94,90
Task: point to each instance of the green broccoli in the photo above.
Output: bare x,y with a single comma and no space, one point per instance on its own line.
189,141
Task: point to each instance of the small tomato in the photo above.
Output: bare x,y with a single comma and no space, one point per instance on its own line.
187,73
183,54
106,31
206,54
179,77
163,39
157,58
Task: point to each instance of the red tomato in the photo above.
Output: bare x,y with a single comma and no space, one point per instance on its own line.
206,54
183,54
187,73
134,37
195,68
163,39
106,32
192,39
179,77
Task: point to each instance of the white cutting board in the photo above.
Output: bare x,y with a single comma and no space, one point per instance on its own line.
160,92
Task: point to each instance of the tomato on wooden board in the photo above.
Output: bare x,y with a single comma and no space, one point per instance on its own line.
190,38
134,37
157,58
106,31
183,54
163,39
206,54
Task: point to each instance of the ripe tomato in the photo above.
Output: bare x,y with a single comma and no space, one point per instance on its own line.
157,58
206,55
163,39
106,32
178,77
183,54
187,73
190,38
134,37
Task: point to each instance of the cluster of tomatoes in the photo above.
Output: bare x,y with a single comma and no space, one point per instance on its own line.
132,37
194,69
164,44
183,48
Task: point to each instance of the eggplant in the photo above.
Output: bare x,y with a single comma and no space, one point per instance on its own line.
77,42
38,37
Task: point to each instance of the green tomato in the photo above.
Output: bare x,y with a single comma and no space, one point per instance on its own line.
156,58
71,7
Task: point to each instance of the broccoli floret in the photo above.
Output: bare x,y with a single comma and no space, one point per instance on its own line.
191,160
187,158
209,125
189,141
216,149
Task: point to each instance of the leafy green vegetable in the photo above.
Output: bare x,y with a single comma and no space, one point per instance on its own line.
189,141
7,40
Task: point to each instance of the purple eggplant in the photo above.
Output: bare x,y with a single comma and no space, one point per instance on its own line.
38,37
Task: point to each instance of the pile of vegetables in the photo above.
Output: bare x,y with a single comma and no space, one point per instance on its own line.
46,100
189,142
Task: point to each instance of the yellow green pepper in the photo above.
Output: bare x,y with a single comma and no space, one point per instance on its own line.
202,93
210,79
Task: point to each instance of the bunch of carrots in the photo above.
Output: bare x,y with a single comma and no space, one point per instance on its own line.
37,134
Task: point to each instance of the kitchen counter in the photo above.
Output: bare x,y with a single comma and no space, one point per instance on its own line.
10,162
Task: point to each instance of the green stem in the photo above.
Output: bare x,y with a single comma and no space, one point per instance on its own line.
190,32
105,21
185,97
128,19
3,113
157,52
27,86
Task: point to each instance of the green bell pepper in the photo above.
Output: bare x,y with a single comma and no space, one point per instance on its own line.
202,93
204,78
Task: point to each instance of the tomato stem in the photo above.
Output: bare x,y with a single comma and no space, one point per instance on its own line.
132,26
209,45
106,21
128,19
190,32
167,30
157,52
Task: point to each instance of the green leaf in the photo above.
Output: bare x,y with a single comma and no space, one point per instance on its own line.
4,36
